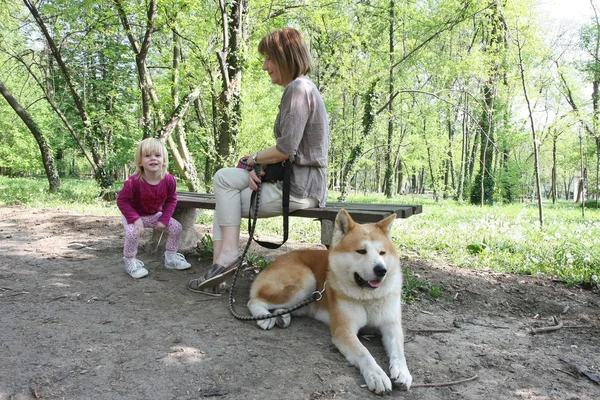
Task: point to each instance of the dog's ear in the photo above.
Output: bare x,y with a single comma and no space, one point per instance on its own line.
343,224
386,224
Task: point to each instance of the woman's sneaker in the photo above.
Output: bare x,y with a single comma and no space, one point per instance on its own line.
135,268
175,260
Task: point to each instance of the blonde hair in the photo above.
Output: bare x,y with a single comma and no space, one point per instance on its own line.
287,49
149,146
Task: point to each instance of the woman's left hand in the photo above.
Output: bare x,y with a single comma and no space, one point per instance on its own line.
254,180
160,226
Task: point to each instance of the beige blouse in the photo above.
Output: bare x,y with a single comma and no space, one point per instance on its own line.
302,131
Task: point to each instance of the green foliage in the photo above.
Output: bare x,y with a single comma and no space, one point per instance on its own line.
501,238
414,285
506,238
206,248
80,195
257,261
592,203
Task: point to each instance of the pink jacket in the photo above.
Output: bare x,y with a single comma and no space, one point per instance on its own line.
138,198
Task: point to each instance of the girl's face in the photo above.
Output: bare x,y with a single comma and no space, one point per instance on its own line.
273,71
152,162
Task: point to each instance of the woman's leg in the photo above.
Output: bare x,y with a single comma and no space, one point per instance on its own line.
228,186
233,198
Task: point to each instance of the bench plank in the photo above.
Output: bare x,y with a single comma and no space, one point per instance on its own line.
360,212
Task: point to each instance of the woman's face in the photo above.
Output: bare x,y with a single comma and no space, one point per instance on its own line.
273,71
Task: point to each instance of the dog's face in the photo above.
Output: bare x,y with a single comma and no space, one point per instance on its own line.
362,257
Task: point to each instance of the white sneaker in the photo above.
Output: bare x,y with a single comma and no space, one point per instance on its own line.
135,268
176,261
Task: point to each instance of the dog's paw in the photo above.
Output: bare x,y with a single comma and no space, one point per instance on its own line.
377,381
267,324
401,377
283,321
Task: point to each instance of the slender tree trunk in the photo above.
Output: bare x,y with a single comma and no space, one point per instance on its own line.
178,147
368,121
388,182
536,166
554,182
99,168
45,150
231,63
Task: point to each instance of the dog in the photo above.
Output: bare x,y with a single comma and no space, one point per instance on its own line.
360,280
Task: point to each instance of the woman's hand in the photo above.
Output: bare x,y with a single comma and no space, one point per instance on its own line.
139,228
254,180
160,226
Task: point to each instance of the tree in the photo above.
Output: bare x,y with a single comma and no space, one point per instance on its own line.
45,150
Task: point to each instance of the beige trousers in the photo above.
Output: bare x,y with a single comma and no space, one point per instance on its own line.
232,196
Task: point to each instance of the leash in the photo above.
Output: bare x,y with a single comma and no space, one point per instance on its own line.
315,296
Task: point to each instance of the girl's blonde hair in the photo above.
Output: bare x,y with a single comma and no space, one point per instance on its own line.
149,146
287,49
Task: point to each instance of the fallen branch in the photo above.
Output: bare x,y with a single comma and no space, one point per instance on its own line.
457,323
557,325
447,330
582,370
17,294
442,384
579,327
566,372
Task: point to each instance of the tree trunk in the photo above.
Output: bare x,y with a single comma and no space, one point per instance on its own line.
368,121
536,166
388,181
47,156
98,166
231,64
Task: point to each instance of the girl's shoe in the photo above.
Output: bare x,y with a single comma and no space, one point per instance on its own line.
135,268
176,261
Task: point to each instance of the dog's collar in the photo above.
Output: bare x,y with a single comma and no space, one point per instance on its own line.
319,294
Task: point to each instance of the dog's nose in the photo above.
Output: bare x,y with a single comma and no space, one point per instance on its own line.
380,271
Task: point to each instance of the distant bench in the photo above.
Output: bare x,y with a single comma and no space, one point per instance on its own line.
189,202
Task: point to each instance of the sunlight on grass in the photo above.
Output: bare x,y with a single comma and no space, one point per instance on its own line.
501,238
506,238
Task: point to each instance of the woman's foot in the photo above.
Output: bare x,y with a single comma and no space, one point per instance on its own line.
217,274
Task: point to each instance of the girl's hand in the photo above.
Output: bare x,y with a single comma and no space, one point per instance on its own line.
160,226
139,228
254,180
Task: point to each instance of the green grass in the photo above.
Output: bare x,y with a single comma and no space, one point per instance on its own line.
501,238
79,195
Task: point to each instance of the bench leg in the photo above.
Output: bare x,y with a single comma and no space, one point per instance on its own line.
326,232
189,238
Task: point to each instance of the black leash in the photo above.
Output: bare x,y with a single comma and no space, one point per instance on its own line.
252,217
286,174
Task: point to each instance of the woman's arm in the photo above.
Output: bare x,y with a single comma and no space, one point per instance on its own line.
268,156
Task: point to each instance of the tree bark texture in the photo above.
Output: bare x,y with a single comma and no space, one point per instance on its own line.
45,150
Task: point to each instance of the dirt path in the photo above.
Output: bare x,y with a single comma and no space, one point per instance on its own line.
73,325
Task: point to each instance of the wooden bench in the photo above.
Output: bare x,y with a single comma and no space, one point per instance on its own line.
189,203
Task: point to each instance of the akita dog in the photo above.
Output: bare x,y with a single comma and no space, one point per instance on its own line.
361,280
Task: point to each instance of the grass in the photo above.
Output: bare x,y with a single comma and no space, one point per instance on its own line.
501,238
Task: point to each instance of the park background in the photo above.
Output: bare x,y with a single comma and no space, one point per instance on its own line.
484,111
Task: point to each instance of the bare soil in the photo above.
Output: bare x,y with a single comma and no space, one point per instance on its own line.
73,325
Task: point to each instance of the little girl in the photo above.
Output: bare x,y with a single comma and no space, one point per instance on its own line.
148,200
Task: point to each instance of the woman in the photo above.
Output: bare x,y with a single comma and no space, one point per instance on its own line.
301,135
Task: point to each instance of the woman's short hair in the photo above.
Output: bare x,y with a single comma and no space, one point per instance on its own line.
151,146
287,49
